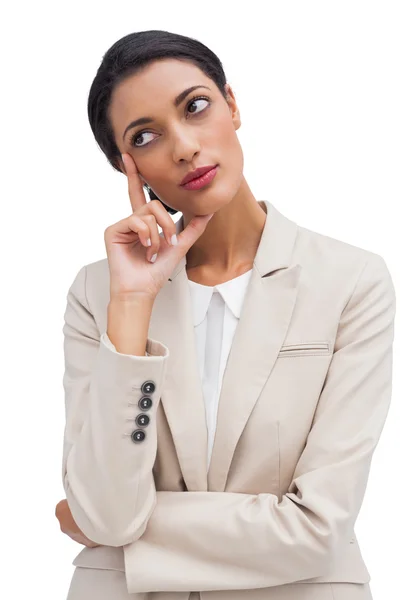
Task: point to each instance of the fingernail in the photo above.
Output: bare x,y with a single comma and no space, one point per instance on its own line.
149,242
153,258
123,160
174,240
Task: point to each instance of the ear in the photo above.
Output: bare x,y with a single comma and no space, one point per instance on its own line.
231,100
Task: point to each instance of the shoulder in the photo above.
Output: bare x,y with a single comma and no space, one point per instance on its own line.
322,254
332,269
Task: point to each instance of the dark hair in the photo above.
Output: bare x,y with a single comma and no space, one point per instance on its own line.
126,57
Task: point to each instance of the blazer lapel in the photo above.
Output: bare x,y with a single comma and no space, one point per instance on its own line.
265,318
182,396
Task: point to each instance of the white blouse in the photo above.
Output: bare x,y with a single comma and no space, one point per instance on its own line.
216,312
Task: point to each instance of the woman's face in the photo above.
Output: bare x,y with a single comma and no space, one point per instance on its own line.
196,133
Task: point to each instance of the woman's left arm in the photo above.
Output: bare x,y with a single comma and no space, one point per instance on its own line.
229,541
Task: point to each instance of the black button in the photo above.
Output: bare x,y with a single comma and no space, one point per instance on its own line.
148,387
145,403
138,435
142,420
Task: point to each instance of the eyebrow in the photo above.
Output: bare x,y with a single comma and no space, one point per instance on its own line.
180,98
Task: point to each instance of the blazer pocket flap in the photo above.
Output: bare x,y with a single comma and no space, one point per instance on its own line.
305,349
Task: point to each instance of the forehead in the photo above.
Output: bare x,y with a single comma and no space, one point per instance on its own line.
152,90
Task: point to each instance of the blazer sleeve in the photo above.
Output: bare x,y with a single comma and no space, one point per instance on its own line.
107,477
230,541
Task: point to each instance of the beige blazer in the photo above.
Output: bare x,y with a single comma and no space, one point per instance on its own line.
304,398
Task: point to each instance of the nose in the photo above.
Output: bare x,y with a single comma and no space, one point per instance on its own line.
185,146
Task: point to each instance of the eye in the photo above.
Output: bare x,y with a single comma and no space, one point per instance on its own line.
140,134
197,99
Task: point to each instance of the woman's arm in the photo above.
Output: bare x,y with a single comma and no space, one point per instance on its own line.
107,477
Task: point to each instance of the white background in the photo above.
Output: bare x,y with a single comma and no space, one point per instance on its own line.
317,84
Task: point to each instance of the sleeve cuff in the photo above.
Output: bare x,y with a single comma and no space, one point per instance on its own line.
154,348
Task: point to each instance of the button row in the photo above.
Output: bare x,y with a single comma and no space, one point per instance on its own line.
145,403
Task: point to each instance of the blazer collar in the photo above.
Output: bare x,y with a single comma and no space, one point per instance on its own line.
266,312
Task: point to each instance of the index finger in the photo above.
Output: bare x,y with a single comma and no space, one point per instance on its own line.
135,186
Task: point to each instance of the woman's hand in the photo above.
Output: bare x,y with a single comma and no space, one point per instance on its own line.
68,525
129,257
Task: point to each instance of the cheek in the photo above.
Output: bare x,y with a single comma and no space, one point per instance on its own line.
152,168
227,139
228,150
223,129
231,152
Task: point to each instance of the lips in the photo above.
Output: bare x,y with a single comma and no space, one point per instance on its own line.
196,173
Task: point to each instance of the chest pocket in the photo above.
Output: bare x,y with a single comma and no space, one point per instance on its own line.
305,349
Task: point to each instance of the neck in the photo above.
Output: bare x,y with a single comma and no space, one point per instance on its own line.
230,241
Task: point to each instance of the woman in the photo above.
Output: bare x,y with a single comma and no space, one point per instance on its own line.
226,380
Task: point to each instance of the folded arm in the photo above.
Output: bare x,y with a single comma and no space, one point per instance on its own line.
225,541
